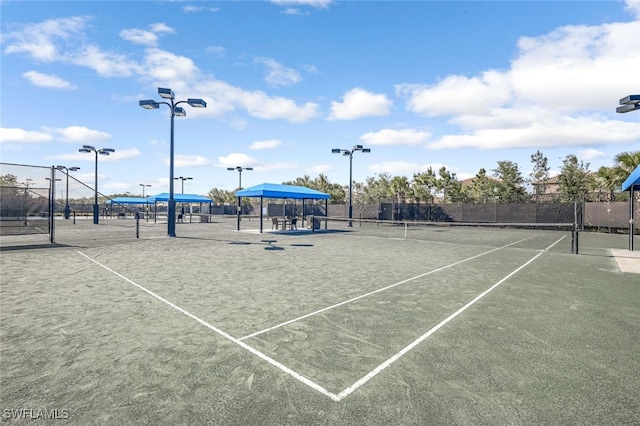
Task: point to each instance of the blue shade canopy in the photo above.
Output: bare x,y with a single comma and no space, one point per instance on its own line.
179,198
128,200
272,190
632,180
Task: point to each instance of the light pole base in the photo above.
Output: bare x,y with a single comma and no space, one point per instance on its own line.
96,213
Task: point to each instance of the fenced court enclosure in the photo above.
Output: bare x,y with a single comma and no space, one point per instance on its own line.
344,325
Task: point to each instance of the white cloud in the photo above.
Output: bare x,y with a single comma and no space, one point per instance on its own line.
40,41
395,137
105,64
168,67
558,91
196,9
78,134
590,154
320,4
236,159
278,74
633,7
47,80
217,51
8,134
138,36
266,144
560,131
358,103
189,161
147,38
260,105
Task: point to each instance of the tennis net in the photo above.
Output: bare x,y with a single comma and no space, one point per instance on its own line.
561,237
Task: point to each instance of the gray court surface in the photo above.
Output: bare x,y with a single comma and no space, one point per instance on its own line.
223,327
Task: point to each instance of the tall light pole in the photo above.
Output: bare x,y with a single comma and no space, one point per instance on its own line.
101,151
67,209
183,179
180,112
143,187
239,208
239,169
349,153
628,104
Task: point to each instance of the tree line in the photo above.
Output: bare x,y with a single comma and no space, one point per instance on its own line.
503,184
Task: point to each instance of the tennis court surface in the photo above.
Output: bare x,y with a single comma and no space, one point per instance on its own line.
428,326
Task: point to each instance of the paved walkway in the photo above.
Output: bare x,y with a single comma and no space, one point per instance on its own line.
628,261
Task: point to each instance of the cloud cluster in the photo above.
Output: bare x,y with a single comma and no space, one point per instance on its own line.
558,91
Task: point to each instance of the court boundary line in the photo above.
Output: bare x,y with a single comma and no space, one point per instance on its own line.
315,386
224,334
353,299
346,392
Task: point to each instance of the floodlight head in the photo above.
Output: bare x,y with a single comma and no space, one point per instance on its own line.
231,168
60,167
366,150
101,152
357,148
248,168
84,150
73,169
166,93
179,112
197,103
346,153
108,150
89,147
627,108
630,100
149,104
336,151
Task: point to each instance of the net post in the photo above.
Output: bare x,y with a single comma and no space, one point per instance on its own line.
574,239
137,225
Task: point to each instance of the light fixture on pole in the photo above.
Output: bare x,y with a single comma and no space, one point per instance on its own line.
183,179
143,187
239,169
180,112
349,153
101,151
67,209
628,104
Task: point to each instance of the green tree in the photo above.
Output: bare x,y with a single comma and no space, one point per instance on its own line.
602,184
221,196
508,187
447,182
574,178
424,185
539,174
481,189
625,164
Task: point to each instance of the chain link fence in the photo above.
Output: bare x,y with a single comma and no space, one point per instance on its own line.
46,205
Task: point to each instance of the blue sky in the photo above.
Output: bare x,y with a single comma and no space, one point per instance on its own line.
420,83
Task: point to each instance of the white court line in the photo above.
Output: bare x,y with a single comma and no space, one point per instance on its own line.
420,339
379,290
243,345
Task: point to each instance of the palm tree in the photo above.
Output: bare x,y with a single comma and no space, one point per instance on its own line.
625,164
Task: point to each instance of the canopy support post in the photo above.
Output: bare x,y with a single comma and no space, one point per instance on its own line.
261,198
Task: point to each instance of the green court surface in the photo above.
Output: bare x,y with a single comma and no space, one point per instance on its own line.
332,327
